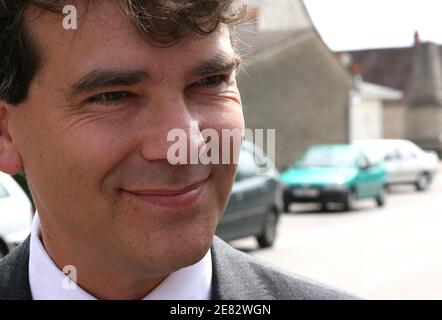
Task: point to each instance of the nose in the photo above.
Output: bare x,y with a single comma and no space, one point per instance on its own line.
173,133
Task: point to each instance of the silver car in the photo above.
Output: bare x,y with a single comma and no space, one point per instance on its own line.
405,162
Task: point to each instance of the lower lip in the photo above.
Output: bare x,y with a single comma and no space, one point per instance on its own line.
177,201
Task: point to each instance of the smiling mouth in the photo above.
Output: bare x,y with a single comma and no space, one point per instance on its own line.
172,199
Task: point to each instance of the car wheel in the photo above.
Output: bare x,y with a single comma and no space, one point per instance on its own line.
268,236
380,199
422,182
349,200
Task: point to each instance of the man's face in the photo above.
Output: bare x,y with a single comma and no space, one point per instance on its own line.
89,139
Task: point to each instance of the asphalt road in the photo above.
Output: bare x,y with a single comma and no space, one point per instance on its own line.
389,253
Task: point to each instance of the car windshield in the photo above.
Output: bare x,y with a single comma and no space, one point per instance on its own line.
327,157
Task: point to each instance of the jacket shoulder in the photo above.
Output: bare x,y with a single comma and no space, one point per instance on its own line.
241,276
14,279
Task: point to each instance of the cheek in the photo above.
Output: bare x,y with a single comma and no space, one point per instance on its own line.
224,173
228,122
78,159
223,178
97,142
224,115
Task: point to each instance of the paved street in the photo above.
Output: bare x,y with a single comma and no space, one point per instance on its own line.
389,253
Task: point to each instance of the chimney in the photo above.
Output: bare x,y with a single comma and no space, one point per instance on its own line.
417,39
356,69
426,85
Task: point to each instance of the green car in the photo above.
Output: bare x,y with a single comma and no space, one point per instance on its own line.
337,173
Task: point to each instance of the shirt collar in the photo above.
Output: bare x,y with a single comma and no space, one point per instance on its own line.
48,282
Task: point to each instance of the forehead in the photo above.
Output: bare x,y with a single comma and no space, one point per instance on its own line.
107,38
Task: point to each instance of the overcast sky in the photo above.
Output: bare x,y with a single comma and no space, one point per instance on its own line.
359,24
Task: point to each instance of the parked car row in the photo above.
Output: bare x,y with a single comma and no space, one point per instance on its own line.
346,173
325,174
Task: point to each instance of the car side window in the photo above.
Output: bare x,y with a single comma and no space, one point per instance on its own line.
407,154
372,158
393,155
3,192
364,161
389,157
246,165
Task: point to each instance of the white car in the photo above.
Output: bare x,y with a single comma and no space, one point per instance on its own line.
16,214
405,162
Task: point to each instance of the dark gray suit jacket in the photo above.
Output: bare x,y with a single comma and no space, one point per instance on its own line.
236,276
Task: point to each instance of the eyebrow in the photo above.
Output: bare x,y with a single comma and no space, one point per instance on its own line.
102,78
219,63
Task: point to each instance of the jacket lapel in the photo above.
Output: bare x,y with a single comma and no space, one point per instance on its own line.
14,277
234,277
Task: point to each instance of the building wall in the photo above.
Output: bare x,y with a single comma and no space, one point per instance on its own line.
394,120
367,119
424,126
300,90
424,115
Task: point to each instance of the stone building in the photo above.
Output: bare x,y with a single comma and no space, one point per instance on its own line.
291,82
417,72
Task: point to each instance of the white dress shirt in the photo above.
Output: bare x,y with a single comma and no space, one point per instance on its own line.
48,282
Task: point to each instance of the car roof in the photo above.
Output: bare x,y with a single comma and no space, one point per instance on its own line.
384,141
387,144
333,146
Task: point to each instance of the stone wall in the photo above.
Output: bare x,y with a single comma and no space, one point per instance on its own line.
300,90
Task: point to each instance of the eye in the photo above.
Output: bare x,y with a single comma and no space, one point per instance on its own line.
110,98
212,81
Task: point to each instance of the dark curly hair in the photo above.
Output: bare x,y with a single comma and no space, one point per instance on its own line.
161,22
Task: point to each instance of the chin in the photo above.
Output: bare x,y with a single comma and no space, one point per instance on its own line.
169,248
161,243
178,255
192,247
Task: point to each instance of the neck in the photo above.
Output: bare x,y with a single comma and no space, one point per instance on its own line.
103,278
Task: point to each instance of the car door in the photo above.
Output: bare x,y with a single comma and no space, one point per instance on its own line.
410,165
244,214
370,177
393,165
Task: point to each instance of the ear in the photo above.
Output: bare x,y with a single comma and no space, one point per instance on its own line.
10,159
